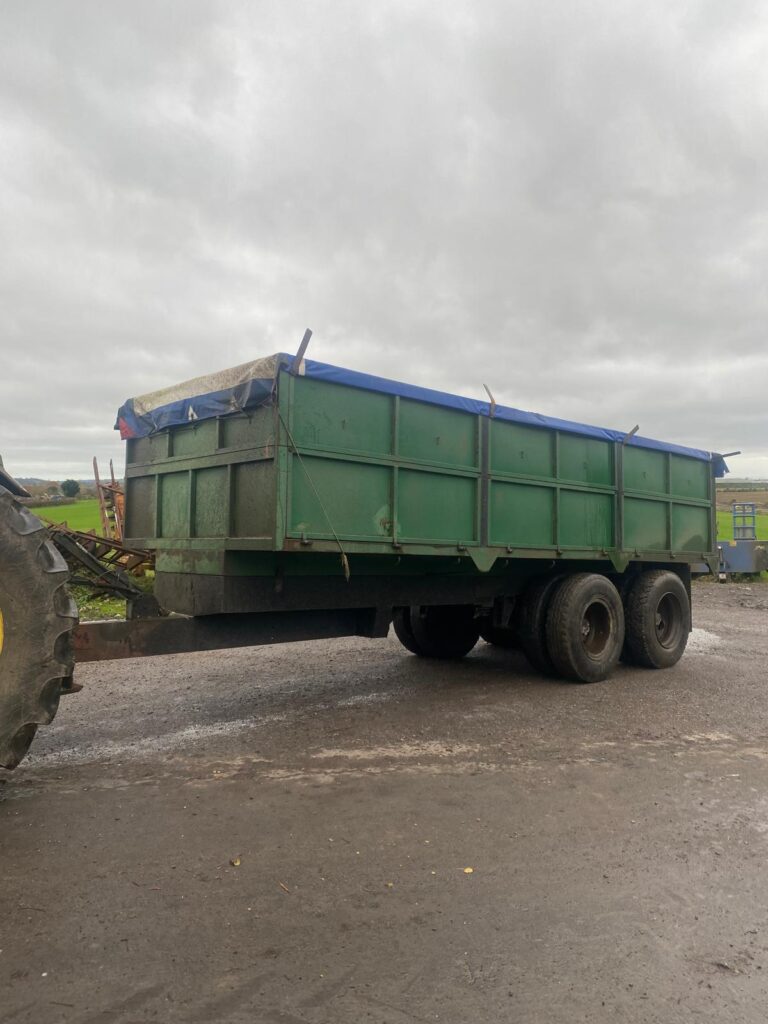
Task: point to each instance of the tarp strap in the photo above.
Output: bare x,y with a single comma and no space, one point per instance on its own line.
342,552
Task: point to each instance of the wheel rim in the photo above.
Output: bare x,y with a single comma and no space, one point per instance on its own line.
667,621
596,631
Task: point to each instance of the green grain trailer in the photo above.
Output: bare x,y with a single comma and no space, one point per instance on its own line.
287,499
331,491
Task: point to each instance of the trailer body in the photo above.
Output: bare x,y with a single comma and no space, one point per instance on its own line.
287,499
335,489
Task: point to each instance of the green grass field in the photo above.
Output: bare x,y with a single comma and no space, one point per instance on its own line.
725,526
83,515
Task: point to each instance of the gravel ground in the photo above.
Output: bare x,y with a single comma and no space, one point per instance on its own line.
286,834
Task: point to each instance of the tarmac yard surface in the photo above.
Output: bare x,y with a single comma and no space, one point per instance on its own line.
285,834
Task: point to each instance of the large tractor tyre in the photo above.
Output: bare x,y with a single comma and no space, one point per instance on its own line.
437,631
658,619
532,624
37,617
585,628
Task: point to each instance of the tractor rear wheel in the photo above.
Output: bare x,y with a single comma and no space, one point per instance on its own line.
37,617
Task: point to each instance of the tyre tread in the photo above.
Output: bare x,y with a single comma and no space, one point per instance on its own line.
638,613
29,697
560,636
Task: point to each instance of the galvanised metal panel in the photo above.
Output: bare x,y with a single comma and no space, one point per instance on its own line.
337,418
646,524
436,507
521,450
585,459
522,515
586,519
432,434
331,496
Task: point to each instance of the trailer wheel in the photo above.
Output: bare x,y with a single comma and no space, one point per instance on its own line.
401,620
500,636
624,584
585,628
658,619
532,624
37,616
437,631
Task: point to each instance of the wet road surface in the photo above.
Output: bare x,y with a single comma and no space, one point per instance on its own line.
285,834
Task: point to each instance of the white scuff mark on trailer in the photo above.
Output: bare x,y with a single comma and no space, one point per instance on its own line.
131,750
701,641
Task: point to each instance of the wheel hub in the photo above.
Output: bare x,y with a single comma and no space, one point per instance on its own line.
666,619
595,628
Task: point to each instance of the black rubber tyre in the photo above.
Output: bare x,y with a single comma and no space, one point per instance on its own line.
500,637
401,620
437,631
585,628
624,584
658,619
532,624
37,617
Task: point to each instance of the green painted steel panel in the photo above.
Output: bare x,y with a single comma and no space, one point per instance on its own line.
433,434
174,505
354,498
524,451
254,497
140,507
432,506
645,524
196,439
586,460
521,515
211,517
142,450
255,429
339,419
586,519
690,528
690,477
251,494
645,470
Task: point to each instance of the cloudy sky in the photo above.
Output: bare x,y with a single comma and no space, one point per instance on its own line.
566,200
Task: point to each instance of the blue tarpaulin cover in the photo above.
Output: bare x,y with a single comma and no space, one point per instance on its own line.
252,384
217,394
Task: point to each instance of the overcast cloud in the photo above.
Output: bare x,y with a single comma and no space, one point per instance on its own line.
567,201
